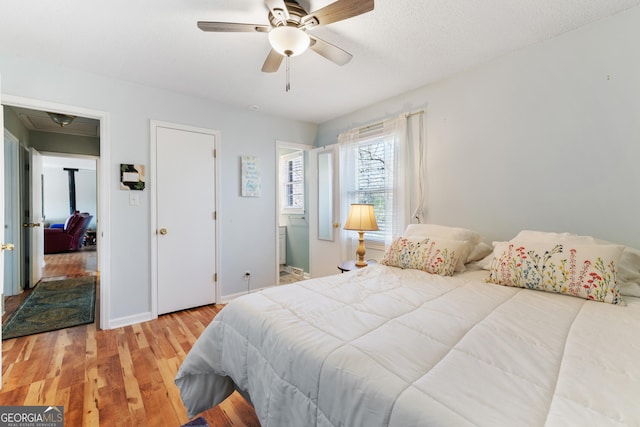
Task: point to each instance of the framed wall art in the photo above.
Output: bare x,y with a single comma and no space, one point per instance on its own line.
250,176
131,177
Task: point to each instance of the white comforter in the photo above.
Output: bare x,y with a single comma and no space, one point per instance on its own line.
383,346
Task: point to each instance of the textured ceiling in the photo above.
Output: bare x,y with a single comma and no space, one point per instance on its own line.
401,45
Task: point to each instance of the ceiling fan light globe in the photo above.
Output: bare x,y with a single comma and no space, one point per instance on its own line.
288,41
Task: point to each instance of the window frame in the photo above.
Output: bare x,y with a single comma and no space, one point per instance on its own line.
286,209
357,194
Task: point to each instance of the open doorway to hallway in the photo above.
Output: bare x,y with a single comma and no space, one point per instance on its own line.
68,182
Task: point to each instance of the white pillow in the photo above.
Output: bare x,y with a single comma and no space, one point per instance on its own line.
479,252
451,233
550,237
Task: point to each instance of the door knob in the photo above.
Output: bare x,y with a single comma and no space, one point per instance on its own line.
27,224
163,231
336,225
8,246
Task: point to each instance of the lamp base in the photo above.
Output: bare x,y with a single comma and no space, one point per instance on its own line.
360,262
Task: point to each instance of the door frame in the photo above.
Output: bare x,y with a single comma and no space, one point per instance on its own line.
154,125
103,172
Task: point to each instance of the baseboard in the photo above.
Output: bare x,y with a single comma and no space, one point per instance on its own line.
129,320
228,298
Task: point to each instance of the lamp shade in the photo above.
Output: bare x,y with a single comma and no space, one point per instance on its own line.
361,217
289,41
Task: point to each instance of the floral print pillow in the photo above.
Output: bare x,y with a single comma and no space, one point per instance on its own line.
585,271
433,255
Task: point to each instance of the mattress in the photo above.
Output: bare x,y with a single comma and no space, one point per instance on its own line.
383,346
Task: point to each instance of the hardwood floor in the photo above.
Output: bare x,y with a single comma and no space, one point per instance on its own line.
118,377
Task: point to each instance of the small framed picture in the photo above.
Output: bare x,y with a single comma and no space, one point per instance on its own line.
250,176
131,177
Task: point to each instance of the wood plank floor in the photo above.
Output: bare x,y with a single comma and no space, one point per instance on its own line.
118,377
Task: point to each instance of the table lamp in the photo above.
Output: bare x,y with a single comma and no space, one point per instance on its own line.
361,218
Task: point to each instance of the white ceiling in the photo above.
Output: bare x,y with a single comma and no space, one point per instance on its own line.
400,46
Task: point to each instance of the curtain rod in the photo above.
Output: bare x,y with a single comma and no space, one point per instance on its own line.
406,115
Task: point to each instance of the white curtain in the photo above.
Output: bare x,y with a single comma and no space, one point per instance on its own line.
406,173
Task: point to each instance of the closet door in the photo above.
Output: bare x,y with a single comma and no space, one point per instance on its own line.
185,233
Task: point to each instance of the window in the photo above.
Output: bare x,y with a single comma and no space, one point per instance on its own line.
292,182
369,178
382,164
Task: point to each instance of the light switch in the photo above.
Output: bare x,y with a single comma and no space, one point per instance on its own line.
134,198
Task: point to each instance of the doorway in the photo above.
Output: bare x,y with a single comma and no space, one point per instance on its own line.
103,178
69,185
292,212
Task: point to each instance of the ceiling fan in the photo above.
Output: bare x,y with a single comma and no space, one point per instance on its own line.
287,30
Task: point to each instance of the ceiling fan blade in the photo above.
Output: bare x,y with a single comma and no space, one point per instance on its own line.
232,27
337,11
278,9
331,52
272,63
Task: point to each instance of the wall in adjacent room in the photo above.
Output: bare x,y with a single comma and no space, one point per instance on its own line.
55,193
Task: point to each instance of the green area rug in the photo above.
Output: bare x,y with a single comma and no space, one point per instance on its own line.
54,305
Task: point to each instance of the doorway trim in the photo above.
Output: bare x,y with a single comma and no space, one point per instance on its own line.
104,195
154,125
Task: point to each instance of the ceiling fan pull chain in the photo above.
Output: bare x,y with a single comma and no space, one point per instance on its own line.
288,85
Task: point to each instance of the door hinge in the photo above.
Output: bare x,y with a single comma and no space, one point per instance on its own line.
215,215
215,153
215,277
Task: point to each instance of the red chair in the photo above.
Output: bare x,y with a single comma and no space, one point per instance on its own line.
69,238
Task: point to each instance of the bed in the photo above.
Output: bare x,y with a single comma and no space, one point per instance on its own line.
394,345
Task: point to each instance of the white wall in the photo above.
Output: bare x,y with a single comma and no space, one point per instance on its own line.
545,138
56,188
131,107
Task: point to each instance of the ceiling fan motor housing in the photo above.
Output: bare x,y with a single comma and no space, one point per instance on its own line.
296,13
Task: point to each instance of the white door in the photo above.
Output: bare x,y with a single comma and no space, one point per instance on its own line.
12,223
35,221
185,209
325,222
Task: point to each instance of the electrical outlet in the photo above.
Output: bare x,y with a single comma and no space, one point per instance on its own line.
247,275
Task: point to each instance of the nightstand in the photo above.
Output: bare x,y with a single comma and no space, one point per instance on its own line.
351,265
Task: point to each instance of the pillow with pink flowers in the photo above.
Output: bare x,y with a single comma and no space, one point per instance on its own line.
585,271
431,254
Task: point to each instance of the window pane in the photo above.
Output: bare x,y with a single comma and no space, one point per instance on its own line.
292,181
373,183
